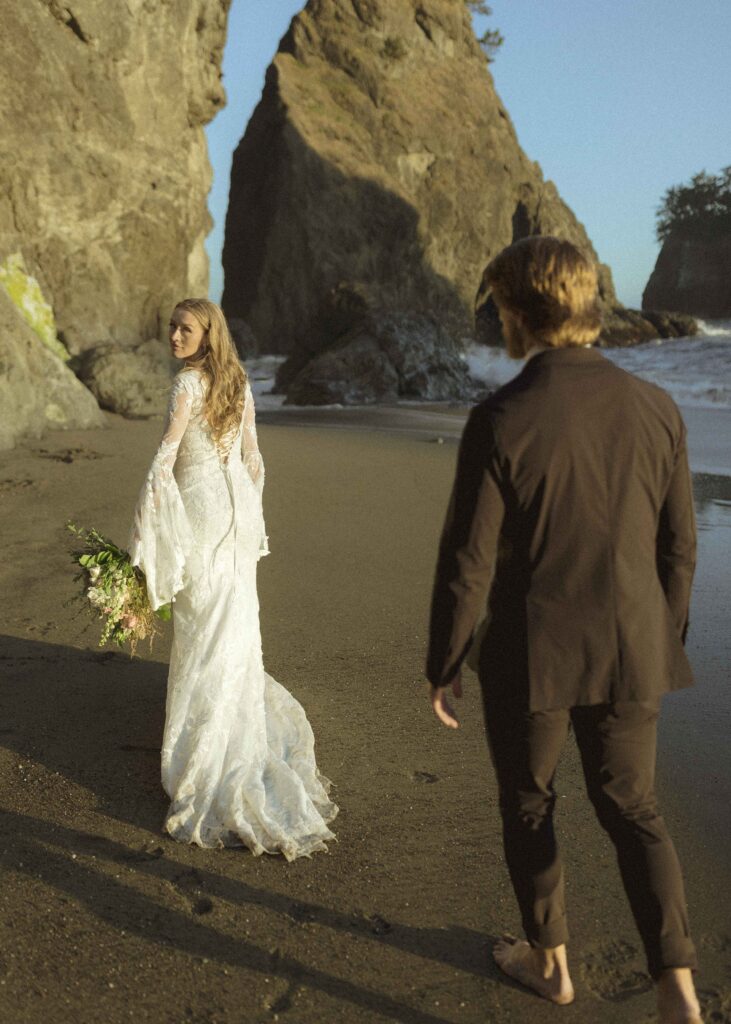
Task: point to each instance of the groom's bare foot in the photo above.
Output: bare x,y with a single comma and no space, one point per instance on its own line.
545,971
677,1002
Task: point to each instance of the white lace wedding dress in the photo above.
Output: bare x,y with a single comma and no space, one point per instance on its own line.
238,760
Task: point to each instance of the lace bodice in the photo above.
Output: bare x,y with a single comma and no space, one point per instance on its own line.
187,437
196,491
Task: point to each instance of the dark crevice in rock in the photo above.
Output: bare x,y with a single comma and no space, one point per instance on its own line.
72,23
522,225
422,20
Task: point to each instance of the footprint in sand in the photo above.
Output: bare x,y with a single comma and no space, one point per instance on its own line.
379,925
190,885
146,853
716,943
716,1005
13,486
70,454
614,972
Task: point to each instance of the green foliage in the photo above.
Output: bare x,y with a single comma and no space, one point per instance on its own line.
701,208
492,39
115,590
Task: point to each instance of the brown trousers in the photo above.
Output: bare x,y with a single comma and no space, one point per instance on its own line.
617,743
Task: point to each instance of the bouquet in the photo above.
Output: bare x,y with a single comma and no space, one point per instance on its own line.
116,590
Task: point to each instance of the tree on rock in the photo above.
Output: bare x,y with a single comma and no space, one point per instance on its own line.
701,208
492,39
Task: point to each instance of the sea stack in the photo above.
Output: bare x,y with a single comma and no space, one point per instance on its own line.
692,275
382,165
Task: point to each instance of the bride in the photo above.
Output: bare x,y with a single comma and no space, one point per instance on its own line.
238,759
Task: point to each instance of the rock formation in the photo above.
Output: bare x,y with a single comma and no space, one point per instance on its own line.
133,381
383,357
37,391
623,327
379,157
693,275
104,169
381,161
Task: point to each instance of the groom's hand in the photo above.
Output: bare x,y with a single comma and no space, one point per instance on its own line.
442,707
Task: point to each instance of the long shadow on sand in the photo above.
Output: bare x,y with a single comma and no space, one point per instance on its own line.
97,720
43,849
95,717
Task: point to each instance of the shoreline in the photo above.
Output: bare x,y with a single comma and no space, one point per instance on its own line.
709,428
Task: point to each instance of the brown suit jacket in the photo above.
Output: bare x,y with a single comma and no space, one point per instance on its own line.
572,508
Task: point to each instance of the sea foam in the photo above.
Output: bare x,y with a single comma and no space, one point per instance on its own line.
695,371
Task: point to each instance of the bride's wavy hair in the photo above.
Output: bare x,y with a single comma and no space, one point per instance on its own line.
218,361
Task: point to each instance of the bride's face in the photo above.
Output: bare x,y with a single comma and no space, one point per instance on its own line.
185,333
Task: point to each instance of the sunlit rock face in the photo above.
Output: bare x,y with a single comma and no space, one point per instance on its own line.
692,275
104,170
381,160
38,392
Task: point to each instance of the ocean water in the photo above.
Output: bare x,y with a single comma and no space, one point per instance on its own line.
695,371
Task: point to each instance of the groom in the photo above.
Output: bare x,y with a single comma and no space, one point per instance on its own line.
572,513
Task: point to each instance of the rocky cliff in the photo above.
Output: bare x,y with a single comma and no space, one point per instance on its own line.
380,159
37,390
103,163
692,275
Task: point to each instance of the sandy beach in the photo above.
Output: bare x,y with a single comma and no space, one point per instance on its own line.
106,920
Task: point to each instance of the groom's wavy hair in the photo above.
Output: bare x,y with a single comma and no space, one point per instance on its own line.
551,287
218,360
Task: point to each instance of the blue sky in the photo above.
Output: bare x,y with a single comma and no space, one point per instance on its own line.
616,99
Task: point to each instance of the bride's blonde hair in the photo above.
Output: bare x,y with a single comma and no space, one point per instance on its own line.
218,361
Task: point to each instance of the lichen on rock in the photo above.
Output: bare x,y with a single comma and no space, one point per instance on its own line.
38,392
25,293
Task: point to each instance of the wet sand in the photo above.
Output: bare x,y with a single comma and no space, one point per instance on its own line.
105,919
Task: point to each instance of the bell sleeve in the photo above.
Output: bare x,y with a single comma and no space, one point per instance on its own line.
161,539
253,462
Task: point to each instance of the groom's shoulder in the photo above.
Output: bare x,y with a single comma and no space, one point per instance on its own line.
648,397
486,416
501,400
